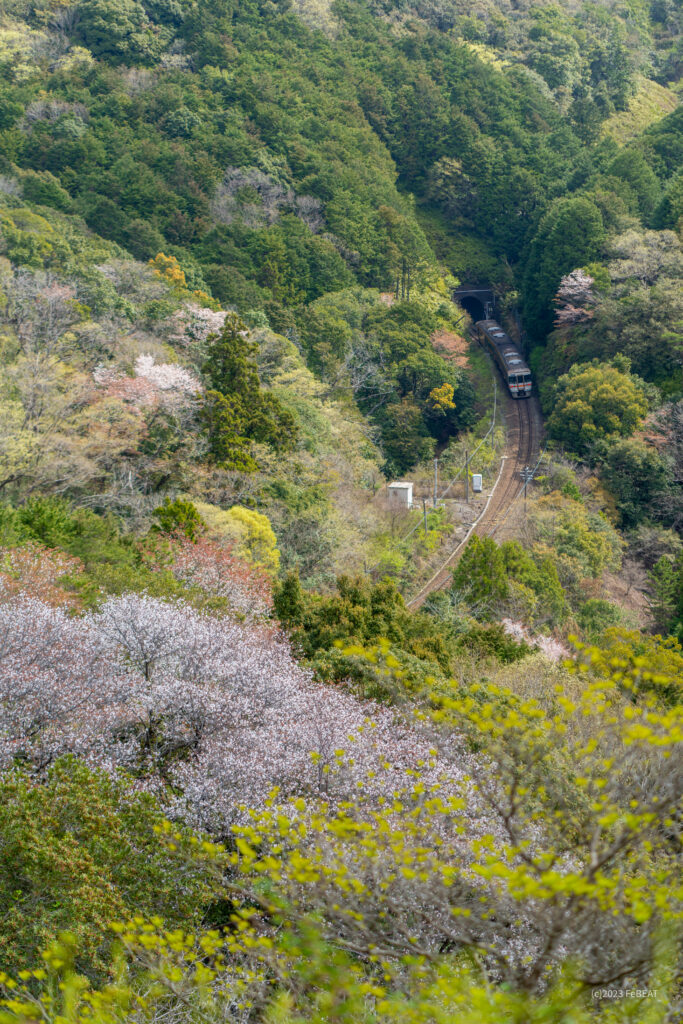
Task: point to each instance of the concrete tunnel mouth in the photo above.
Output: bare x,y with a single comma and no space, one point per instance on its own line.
477,300
473,306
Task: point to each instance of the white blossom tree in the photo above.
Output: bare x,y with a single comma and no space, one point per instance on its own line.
574,298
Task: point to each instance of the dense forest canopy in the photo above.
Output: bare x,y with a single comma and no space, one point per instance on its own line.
241,779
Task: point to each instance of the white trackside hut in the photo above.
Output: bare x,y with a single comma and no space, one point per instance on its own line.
401,494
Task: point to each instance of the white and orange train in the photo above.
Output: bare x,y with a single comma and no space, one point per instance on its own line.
515,371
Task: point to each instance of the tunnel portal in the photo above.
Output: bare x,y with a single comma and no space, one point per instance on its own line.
478,301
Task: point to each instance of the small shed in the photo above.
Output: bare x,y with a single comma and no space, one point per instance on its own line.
476,482
401,494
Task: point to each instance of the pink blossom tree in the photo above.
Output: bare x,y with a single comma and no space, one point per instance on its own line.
574,298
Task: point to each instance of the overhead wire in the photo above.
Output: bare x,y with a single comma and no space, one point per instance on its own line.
446,489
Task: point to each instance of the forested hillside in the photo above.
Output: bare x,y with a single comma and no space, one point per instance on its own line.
240,779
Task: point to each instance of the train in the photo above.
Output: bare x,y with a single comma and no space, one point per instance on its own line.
511,364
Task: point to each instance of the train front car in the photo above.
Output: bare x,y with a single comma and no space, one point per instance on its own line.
515,371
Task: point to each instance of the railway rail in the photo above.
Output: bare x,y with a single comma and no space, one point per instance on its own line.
524,433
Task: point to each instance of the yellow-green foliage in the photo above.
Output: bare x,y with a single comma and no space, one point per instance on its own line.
16,444
649,104
18,46
584,783
249,531
653,664
582,542
205,980
393,909
54,240
595,401
27,237
487,54
317,14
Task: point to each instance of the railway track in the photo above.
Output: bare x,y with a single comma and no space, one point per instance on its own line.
524,432
524,427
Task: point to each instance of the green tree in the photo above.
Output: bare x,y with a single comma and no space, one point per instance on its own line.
44,188
539,573
179,516
637,476
480,577
405,439
289,600
667,582
78,850
119,30
235,406
669,212
595,616
569,235
632,166
327,630
222,424
596,401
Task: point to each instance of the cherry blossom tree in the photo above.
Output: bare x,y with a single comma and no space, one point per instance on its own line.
167,376
193,324
573,297
444,847
216,708
138,392
59,688
217,571
33,569
154,384
552,648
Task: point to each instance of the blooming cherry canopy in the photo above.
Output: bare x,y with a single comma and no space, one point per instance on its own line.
574,298
167,376
217,708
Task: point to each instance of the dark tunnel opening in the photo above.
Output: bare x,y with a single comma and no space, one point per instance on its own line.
473,306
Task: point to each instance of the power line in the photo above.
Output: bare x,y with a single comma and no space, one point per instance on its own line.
460,471
529,474
445,491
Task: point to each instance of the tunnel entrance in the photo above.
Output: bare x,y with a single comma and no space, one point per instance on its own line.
474,307
478,301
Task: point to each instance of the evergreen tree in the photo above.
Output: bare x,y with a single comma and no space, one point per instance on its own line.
236,409
480,576
569,235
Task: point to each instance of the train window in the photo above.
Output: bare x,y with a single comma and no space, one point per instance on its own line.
527,378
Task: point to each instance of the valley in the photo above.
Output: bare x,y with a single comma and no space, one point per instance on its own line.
278,745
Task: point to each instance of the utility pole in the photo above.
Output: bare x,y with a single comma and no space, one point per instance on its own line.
467,476
436,478
528,476
424,512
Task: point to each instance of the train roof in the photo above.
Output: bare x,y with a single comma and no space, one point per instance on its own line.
493,329
507,349
514,361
